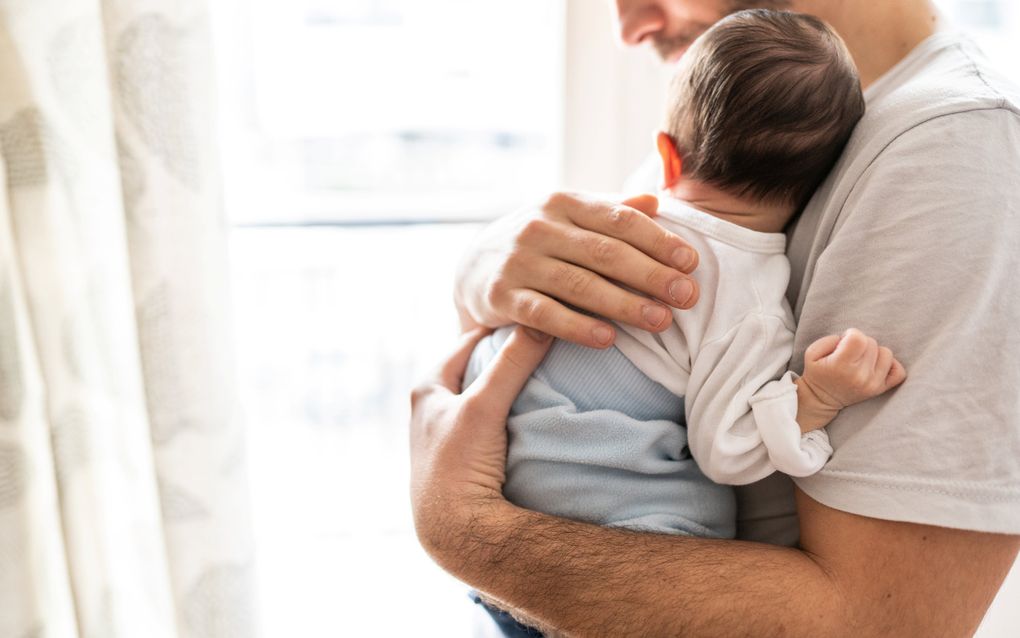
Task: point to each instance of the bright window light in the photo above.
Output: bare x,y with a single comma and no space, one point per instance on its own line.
372,110
994,25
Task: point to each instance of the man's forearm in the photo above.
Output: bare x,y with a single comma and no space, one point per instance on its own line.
856,575
587,580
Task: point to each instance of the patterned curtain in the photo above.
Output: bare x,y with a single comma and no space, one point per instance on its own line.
123,498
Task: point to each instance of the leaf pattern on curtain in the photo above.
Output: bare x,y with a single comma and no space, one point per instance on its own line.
26,143
12,389
152,81
12,475
179,505
69,434
132,176
123,496
221,587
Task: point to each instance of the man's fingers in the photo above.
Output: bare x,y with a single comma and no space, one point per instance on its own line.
601,256
451,370
645,202
635,228
582,288
502,381
536,310
821,348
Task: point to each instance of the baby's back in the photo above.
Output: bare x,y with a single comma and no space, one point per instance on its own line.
601,435
592,438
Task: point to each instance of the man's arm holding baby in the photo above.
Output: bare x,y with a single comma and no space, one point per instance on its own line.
852,576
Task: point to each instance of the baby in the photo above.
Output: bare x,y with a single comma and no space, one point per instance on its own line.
760,109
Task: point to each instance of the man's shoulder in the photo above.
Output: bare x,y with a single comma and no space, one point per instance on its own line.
953,79
941,134
951,103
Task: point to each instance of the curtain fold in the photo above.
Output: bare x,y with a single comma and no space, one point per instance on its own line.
123,497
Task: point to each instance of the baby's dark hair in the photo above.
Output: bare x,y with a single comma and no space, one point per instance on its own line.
765,106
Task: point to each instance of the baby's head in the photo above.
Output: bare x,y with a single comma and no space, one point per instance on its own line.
759,111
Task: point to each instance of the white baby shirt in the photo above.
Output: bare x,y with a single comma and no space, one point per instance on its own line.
728,356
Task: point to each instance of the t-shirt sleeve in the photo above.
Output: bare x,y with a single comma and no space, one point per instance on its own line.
742,408
926,258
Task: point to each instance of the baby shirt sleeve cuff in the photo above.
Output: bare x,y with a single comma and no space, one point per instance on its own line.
775,414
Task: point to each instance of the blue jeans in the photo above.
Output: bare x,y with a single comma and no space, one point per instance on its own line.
510,627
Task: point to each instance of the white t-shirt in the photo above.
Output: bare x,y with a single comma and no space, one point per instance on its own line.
914,238
728,355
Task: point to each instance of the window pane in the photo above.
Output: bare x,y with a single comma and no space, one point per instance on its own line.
332,330
371,109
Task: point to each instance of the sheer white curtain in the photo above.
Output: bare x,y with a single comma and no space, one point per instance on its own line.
123,501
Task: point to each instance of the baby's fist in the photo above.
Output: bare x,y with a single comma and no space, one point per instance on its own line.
850,368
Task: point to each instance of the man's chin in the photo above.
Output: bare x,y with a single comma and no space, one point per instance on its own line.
674,57
672,49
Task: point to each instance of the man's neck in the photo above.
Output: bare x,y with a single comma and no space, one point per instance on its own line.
879,34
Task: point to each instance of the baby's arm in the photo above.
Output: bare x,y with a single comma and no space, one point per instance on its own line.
840,370
744,414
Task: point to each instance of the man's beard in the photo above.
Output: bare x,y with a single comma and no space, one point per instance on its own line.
667,46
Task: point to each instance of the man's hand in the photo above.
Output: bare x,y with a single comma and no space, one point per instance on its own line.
458,439
581,251
840,370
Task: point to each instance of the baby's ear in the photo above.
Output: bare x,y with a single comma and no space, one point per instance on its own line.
672,164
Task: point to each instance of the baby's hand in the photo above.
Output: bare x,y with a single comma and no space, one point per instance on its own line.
840,370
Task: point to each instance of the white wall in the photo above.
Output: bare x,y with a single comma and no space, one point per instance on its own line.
614,100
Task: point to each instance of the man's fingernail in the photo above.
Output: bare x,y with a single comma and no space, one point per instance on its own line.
683,258
537,335
603,335
654,315
681,291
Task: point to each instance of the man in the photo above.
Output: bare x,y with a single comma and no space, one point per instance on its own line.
914,523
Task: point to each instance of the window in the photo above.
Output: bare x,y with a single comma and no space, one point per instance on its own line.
360,138
334,325
376,110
